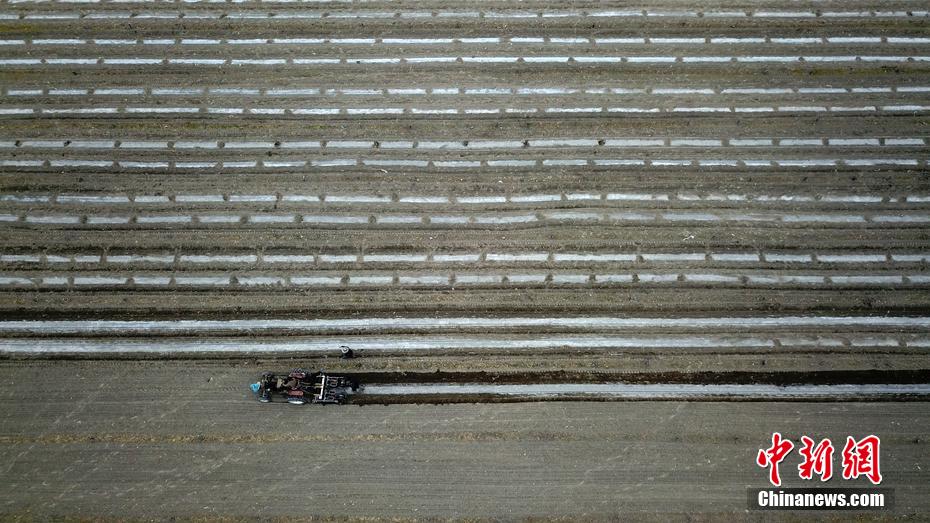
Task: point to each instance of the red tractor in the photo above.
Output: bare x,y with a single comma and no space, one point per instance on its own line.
301,386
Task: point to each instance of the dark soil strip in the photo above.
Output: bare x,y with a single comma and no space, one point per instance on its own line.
839,377
439,399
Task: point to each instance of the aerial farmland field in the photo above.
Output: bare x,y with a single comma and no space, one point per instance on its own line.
589,257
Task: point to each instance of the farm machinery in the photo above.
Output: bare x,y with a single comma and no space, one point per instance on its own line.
301,386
